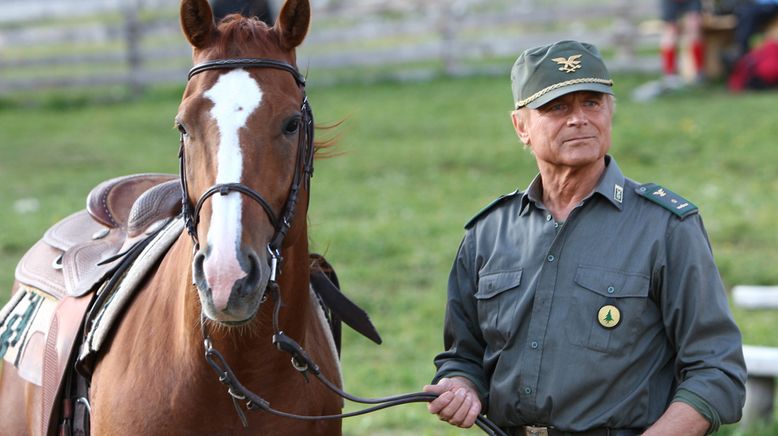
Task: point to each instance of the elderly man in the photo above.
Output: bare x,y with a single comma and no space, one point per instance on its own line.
588,304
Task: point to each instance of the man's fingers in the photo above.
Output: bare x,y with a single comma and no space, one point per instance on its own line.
461,413
453,406
472,414
441,402
439,388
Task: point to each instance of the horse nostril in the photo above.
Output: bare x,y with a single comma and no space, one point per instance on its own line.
253,274
198,272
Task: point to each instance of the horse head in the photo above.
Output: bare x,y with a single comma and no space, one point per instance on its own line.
246,147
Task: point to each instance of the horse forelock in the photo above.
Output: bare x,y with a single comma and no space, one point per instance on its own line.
240,36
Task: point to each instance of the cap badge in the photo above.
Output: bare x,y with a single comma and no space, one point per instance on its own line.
569,65
609,316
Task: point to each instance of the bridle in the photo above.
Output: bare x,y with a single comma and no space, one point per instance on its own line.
300,359
302,173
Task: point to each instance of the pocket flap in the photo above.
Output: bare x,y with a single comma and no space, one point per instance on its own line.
611,283
492,284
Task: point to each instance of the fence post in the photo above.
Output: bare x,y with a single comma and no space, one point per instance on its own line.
133,35
625,33
451,15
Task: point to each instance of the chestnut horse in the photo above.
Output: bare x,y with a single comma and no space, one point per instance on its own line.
246,159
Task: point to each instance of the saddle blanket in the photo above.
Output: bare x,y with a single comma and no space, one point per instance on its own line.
23,323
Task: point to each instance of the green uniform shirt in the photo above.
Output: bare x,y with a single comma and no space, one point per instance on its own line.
597,322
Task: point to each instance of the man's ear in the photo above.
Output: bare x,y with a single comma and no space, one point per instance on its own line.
520,126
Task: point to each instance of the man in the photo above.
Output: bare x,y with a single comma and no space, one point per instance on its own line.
587,304
673,13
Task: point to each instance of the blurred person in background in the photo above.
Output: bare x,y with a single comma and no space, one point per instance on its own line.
678,15
588,304
752,16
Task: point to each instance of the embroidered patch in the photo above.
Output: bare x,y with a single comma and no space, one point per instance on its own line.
568,65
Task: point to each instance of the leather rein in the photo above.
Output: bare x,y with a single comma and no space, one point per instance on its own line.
300,359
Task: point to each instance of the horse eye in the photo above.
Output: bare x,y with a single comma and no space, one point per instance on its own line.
181,128
292,126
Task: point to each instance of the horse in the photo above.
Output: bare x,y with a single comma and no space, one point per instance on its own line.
246,161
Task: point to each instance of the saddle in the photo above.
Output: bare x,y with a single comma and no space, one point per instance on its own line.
59,276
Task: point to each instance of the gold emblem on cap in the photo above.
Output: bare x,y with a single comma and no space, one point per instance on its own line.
609,316
569,65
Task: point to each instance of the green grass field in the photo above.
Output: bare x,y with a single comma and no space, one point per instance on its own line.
417,160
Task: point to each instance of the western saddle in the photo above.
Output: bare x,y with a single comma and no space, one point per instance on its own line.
63,271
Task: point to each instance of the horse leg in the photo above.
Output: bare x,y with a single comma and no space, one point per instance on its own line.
20,403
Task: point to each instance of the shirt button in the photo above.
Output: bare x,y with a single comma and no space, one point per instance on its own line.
556,225
548,217
527,390
550,258
611,289
534,345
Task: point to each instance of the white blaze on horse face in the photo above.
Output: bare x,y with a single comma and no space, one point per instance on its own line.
235,97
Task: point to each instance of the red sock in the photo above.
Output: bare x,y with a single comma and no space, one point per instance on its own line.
668,60
698,56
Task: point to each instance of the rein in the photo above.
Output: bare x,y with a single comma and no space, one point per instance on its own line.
300,359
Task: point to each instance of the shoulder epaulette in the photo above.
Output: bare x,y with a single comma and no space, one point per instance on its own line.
667,199
489,207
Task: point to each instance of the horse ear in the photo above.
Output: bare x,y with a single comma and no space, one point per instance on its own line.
197,22
293,21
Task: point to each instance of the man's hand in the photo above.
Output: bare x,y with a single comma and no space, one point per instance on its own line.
457,401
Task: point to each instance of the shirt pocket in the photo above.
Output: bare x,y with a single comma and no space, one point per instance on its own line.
593,289
497,298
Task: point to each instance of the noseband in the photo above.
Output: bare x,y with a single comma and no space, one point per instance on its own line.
302,173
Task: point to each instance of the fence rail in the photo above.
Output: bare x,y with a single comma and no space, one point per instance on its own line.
119,42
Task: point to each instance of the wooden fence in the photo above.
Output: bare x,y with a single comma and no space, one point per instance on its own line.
135,43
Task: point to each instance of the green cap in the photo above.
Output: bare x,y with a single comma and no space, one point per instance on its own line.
542,74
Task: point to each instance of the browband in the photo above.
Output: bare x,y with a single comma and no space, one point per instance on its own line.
246,63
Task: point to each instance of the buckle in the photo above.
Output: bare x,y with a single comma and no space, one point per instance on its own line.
530,430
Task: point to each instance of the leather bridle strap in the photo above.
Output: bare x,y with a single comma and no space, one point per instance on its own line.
303,165
247,63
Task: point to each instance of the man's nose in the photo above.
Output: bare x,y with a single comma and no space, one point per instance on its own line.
577,116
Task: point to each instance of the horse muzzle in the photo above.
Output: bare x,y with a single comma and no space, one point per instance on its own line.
231,288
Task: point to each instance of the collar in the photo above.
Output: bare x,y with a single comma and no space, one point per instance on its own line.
610,186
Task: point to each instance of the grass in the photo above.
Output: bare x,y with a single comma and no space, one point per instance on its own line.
418,159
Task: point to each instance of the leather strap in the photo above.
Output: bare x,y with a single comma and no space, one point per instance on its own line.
344,308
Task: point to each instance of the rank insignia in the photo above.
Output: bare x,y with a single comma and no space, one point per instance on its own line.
667,199
568,65
609,316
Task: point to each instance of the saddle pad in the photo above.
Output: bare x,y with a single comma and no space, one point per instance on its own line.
122,294
23,324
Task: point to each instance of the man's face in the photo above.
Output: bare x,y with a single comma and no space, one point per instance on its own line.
573,130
